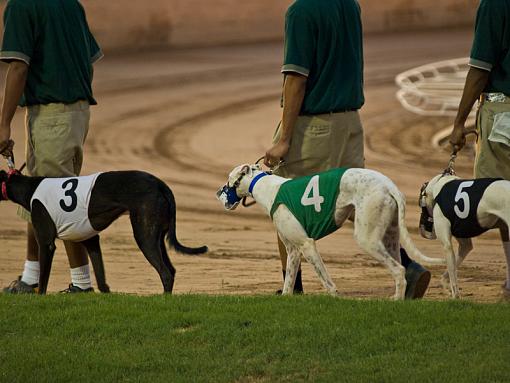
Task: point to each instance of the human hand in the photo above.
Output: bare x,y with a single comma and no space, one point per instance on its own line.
6,144
458,137
276,154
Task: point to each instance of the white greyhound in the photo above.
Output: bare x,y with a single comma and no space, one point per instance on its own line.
379,220
464,209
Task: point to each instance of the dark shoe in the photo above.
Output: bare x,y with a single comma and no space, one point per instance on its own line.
506,292
418,279
20,287
296,292
298,285
72,289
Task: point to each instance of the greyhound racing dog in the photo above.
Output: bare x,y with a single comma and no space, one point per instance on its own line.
78,208
464,209
378,224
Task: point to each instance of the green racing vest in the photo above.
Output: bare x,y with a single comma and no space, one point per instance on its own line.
312,201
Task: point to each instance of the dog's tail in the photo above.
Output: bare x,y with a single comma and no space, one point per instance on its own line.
171,235
405,238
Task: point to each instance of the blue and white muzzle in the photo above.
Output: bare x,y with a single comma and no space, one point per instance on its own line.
227,195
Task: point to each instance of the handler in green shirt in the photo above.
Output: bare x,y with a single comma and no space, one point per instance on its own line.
320,127
488,81
50,51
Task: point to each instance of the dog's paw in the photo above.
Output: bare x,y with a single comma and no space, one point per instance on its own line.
445,283
104,288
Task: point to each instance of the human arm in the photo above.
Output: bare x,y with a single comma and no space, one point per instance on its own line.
17,49
293,96
300,40
14,86
476,82
485,55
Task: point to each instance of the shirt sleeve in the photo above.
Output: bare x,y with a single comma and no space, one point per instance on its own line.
299,42
19,34
96,53
488,41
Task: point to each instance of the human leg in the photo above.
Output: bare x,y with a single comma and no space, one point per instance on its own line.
28,281
308,154
493,147
54,148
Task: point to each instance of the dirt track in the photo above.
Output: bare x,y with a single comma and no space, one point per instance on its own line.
190,116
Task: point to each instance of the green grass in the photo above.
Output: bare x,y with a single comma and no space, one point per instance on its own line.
190,338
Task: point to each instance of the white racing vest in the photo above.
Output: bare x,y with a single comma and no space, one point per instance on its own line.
67,202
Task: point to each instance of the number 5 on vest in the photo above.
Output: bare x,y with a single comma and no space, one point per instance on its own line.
462,195
316,199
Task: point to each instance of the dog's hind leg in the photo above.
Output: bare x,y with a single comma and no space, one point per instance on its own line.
505,240
313,257
166,259
378,251
96,257
380,239
148,235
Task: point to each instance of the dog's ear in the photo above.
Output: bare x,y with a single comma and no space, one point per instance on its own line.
246,169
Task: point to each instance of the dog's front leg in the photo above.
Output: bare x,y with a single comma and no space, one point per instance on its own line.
46,252
45,234
293,258
465,247
313,257
443,231
96,257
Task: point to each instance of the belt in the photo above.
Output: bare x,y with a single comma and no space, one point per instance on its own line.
330,112
495,97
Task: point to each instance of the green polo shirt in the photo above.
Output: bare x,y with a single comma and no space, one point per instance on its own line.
53,38
323,41
491,46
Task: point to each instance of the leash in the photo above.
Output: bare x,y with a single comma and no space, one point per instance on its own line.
12,171
274,168
450,169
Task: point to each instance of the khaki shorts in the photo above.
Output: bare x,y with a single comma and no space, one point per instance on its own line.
493,147
55,137
323,142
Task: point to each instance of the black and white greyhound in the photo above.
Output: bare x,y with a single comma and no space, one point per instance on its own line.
78,208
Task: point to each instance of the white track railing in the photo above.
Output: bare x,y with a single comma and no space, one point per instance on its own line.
433,89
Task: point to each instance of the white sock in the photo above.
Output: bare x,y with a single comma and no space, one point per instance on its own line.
31,272
506,247
80,277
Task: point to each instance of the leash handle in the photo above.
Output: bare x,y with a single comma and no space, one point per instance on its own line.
451,164
10,162
273,169
245,202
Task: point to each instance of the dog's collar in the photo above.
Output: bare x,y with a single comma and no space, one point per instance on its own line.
255,180
4,191
4,183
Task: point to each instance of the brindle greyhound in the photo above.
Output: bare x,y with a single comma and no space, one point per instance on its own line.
149,201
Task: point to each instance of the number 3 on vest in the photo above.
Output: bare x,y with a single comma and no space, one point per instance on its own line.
316,199
71,193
